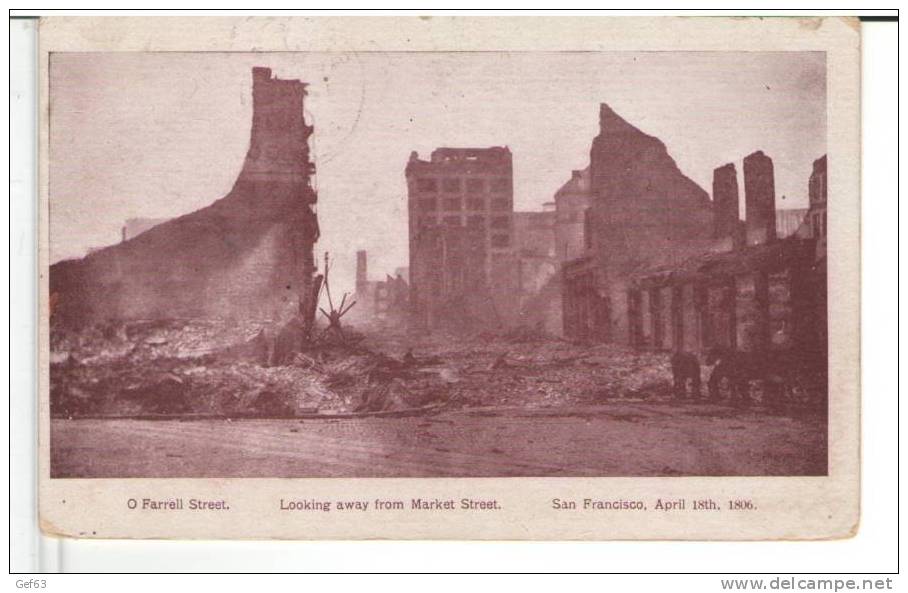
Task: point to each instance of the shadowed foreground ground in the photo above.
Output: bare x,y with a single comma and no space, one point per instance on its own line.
615,439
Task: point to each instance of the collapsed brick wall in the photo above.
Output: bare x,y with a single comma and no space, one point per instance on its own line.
249,254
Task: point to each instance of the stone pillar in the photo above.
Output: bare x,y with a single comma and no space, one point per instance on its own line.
634,318
678,328
759,198
725,201
655,303
731,311
704,320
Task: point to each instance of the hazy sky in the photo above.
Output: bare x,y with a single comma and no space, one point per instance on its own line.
163,134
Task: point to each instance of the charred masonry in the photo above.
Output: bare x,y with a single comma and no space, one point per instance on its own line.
247,255
631,250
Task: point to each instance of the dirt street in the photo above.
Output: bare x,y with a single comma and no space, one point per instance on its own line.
614,439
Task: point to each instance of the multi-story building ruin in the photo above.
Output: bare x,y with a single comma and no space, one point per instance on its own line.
461,230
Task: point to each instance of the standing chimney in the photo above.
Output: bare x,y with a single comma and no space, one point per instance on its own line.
725,201
759,198
362,276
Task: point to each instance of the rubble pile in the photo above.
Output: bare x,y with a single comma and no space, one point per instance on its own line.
229,368
225,368
559,373
527,368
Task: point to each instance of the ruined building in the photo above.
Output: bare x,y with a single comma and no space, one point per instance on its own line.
461,232
760,293
665,268
642,209
248,254
545,241
538,284
385,302
565,234
571,202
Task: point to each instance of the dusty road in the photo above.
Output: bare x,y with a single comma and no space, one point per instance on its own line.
615,439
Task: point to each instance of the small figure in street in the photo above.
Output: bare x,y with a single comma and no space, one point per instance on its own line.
686,366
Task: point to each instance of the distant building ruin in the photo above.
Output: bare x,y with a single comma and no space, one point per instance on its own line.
571,203
538,288
249,254
385,302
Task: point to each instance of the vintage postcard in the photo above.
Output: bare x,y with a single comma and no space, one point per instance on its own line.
450,277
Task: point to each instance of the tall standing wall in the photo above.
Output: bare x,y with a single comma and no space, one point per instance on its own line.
247,255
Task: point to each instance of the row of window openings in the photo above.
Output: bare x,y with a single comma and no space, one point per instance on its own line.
498,239
431,204
455,185
497,222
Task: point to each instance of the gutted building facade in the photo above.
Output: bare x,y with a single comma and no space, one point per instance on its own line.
463,270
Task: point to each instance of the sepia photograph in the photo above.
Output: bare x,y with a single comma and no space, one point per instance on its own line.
600,293
457,278
437,264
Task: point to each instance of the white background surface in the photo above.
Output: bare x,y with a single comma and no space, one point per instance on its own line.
873,550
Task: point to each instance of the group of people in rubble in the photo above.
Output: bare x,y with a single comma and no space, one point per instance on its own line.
733,370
